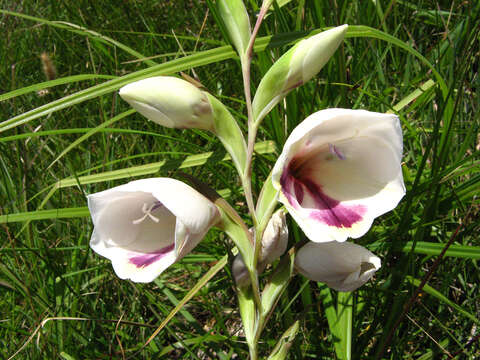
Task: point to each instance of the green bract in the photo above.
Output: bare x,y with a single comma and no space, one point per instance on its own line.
235,18
229,133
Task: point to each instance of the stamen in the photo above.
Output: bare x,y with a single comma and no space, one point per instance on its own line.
148,213
334,150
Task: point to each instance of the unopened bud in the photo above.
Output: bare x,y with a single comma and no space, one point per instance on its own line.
343,266
274,244
275,238
296,67
170,101
240,272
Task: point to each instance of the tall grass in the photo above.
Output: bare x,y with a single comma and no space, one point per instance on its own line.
70,136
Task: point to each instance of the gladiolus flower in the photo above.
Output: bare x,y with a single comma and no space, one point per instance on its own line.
145,226
339,170
342,266
170,101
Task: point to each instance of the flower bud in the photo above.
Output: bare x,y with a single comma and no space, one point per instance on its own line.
240,272
275,238
343,266
170,101
295,67
274,244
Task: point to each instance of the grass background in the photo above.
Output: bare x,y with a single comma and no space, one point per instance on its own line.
49,161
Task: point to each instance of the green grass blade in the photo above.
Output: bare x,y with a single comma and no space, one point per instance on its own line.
201,282
438,295
45,214
331,314
345,322
92,132
434,249
81,31
52,83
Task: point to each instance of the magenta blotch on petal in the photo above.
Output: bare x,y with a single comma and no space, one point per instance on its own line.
326,209
143,260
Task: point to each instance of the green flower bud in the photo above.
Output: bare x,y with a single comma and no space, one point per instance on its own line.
294,68
170,101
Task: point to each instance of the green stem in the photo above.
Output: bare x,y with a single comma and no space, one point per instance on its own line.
246,60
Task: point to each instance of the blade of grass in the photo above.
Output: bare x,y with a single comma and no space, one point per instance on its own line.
52,83
438,295
81,31
201,282
345,322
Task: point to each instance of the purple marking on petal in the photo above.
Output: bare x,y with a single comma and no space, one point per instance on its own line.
157,205
298,191
331,211
287,182
295,183
141,261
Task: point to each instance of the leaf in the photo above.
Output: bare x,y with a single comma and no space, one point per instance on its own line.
92,132
229,133
331,315
428,248
267,201
247,312
280,351
345,323
277,283
82,31
51,83
196,288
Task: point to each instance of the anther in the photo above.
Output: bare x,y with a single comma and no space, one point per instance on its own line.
334,151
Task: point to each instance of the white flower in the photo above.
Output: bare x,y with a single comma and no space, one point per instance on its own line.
339,170
145,226
170,101
342,266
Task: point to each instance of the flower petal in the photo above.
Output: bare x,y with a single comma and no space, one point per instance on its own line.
142,267
193,209
340,169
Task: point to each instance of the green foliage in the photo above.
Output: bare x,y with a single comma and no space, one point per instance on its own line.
66,137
